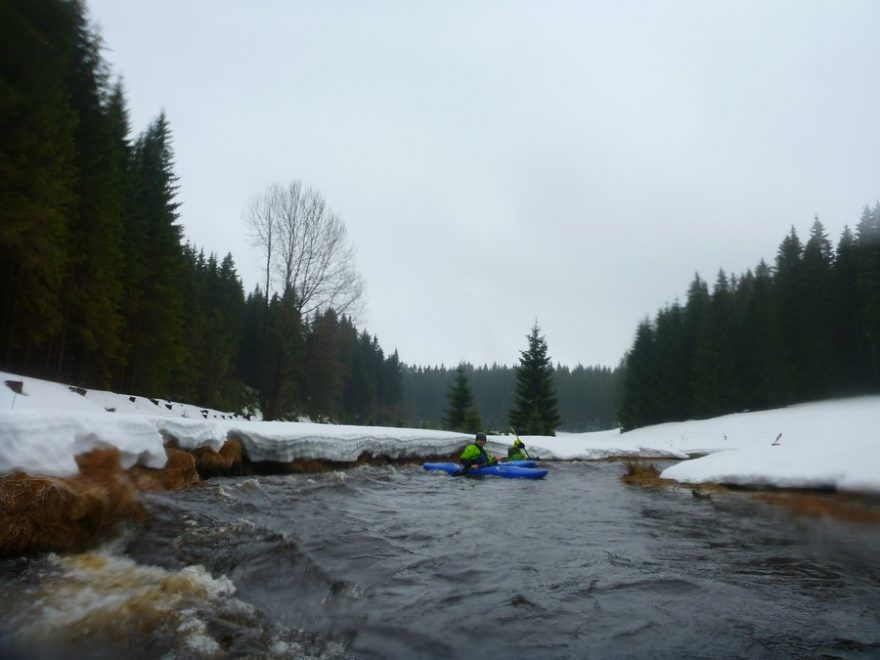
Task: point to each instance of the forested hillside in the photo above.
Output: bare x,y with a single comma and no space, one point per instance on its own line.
804,329
98,286
587,395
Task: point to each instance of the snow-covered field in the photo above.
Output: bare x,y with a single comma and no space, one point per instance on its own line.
830,444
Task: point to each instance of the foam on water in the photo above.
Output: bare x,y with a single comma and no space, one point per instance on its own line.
102,595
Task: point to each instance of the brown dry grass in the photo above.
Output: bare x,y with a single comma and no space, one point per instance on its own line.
40,514
228,461
843,506
179,473
644,474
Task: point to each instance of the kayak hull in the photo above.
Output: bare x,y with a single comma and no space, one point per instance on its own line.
511,470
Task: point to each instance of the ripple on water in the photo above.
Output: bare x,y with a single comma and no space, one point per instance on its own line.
398,563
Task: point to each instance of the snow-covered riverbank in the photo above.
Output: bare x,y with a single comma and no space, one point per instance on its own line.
831,444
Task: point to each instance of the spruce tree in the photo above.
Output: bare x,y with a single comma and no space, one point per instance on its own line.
282,356
37,178
849,343
817,320
390,391
361,391
323,373
766,374
90,345
154,261
251,345
535,406
715,373
672,363
461,413
788,286
638,404
868,287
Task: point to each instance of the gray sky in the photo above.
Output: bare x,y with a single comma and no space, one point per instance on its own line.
498,162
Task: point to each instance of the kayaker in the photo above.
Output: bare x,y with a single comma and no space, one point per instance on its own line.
474,455
517,452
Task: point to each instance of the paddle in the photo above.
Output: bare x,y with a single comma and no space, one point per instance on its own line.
524,450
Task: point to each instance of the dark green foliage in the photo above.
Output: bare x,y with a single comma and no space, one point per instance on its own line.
90,343
372,391
154,260
390,391
424,394
37,177
849,341
361,391
462,413
282,347
715,372
535,408
788,287
766,377
250,348
587,396
639,404
344,375
324,369
804,330
817,321
213,313
97,288
868,290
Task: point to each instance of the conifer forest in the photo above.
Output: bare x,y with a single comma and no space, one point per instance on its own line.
99,288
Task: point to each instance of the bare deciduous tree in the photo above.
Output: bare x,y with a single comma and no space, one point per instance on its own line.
305,249
310,266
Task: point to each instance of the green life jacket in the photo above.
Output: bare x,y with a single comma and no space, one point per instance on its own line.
473,455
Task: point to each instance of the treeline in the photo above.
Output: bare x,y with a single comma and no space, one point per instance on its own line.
806,328
91,261
587,396
324,369
97,287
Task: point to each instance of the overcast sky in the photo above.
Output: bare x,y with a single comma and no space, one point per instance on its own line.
499,162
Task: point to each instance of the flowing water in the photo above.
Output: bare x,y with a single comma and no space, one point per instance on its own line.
394,562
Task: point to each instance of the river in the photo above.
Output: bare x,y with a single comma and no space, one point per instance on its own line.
394,562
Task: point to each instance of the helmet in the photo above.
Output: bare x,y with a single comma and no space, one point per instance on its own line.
480,436
518,443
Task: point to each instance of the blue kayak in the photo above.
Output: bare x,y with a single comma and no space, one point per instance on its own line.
523,463
510,470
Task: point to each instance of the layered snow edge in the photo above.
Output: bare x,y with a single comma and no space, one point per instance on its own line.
827,445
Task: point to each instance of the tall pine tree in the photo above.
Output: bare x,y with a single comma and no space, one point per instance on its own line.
849,343
154,266
90,344
817,320
868,287
535,406
639,403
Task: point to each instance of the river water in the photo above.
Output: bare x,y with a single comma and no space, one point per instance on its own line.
394,562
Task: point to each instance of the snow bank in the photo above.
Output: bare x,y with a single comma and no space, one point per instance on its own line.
831,444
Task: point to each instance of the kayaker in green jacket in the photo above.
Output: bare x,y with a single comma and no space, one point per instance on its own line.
474,455
517,452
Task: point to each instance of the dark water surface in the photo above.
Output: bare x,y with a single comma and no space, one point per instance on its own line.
399,563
